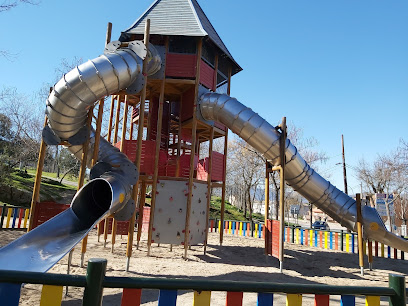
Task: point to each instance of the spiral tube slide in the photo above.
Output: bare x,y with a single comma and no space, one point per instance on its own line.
110,192
264,138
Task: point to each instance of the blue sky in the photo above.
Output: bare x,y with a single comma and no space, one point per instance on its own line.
331,67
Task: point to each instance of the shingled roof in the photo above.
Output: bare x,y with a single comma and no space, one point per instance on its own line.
179,18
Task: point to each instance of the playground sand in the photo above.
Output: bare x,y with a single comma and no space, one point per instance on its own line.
239,258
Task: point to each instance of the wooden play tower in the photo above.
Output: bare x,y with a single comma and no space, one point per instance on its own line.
161,131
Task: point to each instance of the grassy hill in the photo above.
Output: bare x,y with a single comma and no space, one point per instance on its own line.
231,212
18,191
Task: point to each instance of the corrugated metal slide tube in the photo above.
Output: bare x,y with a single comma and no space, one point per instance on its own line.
264,137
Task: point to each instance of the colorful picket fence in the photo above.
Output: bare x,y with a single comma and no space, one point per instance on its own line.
329,240
95,281
14,217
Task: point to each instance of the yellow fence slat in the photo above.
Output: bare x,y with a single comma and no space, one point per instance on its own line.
230,227
297,236
325,240
382,250
51,295
347,243
9,212
27,212
311,238
202,298
240,228
372,301
294,300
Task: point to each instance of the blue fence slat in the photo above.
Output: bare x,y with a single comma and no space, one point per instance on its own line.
301,236
265,299
167,298
10,294
348,300
352,242
260,231
244,229
15,214
315,238
331,240
388,251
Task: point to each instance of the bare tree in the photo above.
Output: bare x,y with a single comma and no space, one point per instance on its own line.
388,174
9,4
245,172
306,147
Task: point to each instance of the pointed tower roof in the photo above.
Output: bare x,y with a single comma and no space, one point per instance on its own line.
179,18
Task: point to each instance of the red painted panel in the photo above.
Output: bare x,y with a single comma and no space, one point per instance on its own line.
181,65
217,171
131,297
275,238
187,104
234,298
47,210
146,218
207,75
322,300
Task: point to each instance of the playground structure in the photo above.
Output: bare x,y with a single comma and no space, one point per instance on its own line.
169,81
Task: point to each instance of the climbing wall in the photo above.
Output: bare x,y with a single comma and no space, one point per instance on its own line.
170,212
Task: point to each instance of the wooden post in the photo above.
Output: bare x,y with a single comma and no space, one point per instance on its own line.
94,160
37,182
225,166
141,211
156,157
179,140
370,255
140,129
210,151
131,124
115,140
117,119
122,146
193,145
111,118
360,234
266,204
281,168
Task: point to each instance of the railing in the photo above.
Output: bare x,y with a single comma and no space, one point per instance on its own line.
13,217
95,280
330,240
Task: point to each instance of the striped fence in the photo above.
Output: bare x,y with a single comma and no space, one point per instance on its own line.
95,281
329,240
14,217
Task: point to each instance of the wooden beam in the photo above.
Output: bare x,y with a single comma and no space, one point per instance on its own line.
223,188
210,156
37,182
94,160
179,139
156,157
111,118
117,119
139,140
282,148
193,144
266,203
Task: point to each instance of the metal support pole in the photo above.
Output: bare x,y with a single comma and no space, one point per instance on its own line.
360,234
266,205
282,146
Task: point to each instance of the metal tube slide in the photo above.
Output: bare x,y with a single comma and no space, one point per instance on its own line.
110,192
299,175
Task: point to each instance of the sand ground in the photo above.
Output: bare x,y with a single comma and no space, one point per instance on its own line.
239,258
